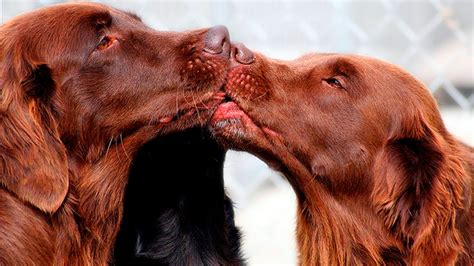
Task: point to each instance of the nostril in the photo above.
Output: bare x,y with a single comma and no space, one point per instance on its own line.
242,54
217,41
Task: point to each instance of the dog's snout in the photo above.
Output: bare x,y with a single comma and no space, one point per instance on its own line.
217,41
242,54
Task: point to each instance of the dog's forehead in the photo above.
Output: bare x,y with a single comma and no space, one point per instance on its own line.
57,17
331,63
74,10
351,64
78,13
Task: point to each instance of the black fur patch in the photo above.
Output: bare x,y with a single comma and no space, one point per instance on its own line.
176,211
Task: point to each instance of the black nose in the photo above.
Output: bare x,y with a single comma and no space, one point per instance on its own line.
217,41
242,54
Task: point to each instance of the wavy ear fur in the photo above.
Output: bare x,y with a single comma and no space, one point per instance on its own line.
33,162
419,184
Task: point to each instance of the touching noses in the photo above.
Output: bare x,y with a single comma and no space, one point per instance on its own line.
217,42
242,54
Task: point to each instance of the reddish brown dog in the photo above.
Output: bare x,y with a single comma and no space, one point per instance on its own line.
378,178
83,86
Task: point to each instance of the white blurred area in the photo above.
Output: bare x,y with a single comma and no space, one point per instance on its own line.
432,39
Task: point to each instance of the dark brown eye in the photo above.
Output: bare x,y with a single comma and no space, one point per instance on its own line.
106,42
334,82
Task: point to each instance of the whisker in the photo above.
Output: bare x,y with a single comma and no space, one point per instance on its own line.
108,146
123,148
261,95
152,120
195,106
116,150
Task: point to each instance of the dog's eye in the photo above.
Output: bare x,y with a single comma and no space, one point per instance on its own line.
334,82
106,42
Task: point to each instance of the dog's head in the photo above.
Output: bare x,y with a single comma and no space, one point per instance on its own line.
356,128
78,78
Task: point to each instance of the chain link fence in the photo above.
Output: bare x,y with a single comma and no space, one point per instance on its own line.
432,39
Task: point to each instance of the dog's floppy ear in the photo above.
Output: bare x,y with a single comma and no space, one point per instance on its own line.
33,162
419,184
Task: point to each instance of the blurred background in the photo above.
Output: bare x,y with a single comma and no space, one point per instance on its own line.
432,39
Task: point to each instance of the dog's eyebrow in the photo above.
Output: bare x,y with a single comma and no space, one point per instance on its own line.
343,66
133,15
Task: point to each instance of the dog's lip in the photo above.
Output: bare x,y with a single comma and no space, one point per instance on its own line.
230,109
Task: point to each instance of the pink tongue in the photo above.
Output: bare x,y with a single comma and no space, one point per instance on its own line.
228,110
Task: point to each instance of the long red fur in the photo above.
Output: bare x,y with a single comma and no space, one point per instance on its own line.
69,125
378,178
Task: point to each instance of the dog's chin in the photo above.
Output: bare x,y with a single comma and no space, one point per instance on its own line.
234,129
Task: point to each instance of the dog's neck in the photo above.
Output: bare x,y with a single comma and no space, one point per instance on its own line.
99,205
328,231
342,232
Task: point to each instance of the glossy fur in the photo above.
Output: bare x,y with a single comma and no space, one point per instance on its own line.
378,178
74,111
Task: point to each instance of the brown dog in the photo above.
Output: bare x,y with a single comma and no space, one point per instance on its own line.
83,86
378,178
